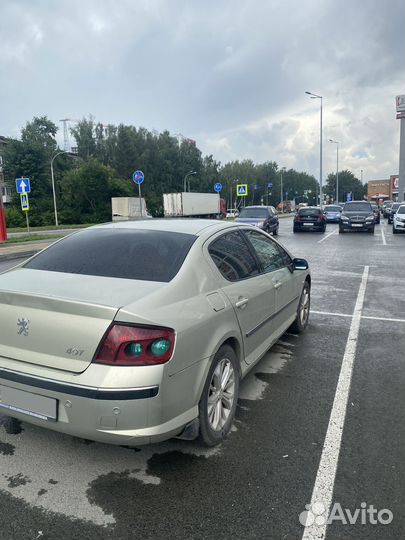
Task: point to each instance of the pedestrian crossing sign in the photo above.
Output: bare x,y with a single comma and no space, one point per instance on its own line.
25,205
241,190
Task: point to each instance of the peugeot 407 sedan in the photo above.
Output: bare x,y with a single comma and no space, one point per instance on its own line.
132,333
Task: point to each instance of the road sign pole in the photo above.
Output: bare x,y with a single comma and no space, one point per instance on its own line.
28,222
140,199
401,176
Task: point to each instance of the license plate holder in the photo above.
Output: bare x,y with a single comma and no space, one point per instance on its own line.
357,225
35,405
309,224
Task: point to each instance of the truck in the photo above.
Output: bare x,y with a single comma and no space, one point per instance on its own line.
128,208
187,204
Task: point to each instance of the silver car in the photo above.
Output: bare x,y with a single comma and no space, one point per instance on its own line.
134,332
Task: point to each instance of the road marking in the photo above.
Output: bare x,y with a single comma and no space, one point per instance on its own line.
325,478
382,319
383,237
327,236
329,313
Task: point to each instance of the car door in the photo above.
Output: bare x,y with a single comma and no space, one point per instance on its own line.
249,290
276,263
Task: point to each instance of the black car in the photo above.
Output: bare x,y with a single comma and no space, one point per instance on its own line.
386,208
376,210
357,216
309,218
264,217
393,209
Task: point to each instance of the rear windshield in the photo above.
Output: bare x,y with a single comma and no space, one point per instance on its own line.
333,208
395,206
357,207
253,213
309,211
120,253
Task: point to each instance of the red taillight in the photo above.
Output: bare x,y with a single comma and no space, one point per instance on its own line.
321,217
126,345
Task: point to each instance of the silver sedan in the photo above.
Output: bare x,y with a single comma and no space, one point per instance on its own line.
132,333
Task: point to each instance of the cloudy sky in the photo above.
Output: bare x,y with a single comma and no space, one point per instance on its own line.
230,74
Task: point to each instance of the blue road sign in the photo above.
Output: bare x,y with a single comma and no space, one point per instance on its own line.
349,197
270,185
138,177
218,187
23,185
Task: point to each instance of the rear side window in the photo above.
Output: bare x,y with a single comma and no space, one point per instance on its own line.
233,257
121,253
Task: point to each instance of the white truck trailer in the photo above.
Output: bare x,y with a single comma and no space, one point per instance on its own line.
192,204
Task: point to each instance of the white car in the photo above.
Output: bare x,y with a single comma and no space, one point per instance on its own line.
232,213
398,223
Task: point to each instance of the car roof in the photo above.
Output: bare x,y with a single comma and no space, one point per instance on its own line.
180,225
257,206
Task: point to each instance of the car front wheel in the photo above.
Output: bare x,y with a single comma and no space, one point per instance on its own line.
394,231
219,398
304,304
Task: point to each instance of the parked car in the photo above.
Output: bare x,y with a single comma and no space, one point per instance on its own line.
309,218
357,216
376,211
134,332
232,213
332,213
398,224
386,208
264,217
394,207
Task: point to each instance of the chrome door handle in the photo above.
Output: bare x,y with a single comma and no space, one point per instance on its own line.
241,303
277,284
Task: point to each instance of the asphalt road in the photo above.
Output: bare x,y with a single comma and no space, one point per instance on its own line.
320,420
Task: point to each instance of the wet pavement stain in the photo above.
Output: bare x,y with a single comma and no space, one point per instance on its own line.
42,492
17,480
6,449
52,481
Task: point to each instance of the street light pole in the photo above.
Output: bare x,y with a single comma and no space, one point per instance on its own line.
282,195
53,187
337,168
315,96
185,179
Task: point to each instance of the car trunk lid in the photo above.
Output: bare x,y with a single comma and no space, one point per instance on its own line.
57,320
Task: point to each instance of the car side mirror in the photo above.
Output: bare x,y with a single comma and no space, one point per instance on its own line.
300,264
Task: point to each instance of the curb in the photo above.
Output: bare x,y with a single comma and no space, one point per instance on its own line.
18,255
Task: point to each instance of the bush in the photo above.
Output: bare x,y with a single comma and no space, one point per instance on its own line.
15,217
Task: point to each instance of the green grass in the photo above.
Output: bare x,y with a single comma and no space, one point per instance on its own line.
32,238
49,227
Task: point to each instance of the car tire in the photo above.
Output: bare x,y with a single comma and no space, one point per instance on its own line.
341,230
394,231
217,407
275,232
371,231
304,304
295,229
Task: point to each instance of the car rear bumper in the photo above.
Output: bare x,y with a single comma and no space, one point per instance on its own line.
120,415
302,226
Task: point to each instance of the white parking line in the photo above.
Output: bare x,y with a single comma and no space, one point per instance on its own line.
383,237
327,236
329,313
325,478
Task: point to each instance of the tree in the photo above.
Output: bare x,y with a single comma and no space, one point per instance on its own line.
348,183
87,192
